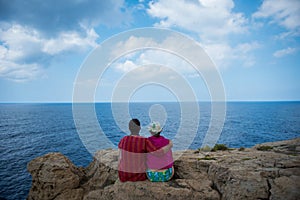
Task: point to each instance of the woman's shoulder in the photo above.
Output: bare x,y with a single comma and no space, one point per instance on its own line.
160,138
164,138
155,137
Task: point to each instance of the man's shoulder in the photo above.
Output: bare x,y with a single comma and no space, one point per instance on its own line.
134,136
138,136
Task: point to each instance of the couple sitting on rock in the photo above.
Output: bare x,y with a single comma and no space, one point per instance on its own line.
142,158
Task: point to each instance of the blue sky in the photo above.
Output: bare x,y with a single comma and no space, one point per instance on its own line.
254,45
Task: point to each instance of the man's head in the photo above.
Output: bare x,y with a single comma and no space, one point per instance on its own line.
134,126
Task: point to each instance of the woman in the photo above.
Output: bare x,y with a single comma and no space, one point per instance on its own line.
160,168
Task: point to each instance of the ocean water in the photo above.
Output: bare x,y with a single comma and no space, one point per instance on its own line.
31,130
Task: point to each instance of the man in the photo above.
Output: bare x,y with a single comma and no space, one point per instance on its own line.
133,150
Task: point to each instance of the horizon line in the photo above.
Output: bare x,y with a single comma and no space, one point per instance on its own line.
70,102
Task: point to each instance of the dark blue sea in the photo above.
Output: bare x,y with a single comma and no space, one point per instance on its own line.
31,130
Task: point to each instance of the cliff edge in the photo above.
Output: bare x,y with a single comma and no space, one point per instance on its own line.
266,171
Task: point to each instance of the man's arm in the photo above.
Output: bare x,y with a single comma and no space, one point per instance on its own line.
158,151
167,147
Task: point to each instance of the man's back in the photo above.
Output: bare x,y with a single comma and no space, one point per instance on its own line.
132,165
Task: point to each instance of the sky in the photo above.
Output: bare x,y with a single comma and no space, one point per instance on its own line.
254,46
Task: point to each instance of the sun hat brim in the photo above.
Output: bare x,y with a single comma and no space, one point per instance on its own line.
155,127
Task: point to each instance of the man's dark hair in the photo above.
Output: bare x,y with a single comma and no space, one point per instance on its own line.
134,126
136,121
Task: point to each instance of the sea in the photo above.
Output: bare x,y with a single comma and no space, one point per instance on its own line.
29,130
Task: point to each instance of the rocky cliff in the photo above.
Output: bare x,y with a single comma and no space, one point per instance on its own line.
266,171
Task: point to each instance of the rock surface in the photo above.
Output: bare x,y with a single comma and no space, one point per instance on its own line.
273,172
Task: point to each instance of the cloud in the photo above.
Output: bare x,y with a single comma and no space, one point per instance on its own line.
53,17
215,22
152,75
25,52
126,66
224,55
158,52
158,57
33,33
70,41
210,19
20,72
281,12
284,52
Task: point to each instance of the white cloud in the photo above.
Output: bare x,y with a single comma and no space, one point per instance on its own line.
211,19
152,75
215,22
224,55
20,42
132,43
25,51
158,57
160,54
284,52
127,66
32,34
70,41
20,72
282,12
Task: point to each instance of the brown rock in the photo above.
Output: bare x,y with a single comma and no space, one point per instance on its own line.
175,189
52,174
74,194
95,195
232,174
102,171
285,188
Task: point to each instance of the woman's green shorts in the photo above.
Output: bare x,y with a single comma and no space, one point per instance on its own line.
160,175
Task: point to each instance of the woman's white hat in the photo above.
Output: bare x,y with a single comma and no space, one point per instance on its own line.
154,127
